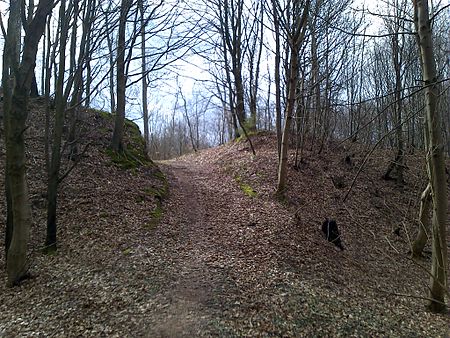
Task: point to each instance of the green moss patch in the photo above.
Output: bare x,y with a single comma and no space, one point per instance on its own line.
128,159
156,215
134,155
159,192
247,189
127,252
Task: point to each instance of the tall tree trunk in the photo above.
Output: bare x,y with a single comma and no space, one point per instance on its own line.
15,119
11,59
60,109
47,84
282,167
315,79
276,24
296,37
230,92
88,82
144,80
109,41
84,56
16,82
435,158
398,164
117,138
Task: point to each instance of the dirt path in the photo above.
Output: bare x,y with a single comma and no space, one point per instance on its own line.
230,267
193,296
220,244
219,263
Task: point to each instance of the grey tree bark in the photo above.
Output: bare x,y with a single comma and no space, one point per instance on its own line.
394,26
254,51
424,223
16,82
296,37
144,79
117,138
60,110
276,24
436,162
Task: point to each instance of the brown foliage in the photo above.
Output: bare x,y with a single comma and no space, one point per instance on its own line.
222,262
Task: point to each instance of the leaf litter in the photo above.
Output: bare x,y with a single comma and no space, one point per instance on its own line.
219,262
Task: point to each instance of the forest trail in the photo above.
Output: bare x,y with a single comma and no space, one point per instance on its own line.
224,258
219,249
186,222
242,265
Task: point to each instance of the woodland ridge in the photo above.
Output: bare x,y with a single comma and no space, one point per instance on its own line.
291,178
202,247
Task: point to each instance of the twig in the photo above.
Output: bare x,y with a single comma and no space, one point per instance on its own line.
75,163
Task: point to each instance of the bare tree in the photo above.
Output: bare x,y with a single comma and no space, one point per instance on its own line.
276,22
255,38
67,85
295,33
117,138
396,23
16,82
144,76
435,160
60,108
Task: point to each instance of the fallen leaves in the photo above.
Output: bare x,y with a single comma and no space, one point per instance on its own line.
221,263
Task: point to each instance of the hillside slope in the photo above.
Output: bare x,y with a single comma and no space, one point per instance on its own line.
222,257
373,287
103,211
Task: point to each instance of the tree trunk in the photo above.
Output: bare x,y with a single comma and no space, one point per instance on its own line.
109,41
9,217
60,109
16,264
239,88
16,82
276,24
424,223
295,40
398,164
117,138
315,79
34,92
282,167
435,158
144,80
254,67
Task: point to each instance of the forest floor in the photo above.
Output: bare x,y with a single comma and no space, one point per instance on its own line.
220,256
